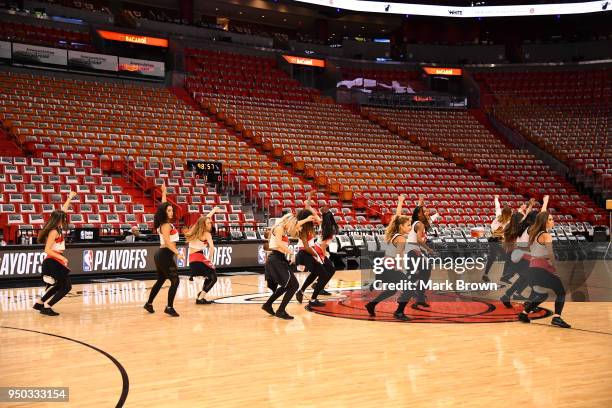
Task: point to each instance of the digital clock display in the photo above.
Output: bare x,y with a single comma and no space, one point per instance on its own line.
207,169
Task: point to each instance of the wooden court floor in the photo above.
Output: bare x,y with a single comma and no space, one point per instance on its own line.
111,352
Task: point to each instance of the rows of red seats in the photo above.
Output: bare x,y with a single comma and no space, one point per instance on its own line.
235,74
457,135
349,153
558,87
40,35
566,113
35,186
111,125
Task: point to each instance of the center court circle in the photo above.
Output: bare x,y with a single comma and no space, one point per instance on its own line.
447,307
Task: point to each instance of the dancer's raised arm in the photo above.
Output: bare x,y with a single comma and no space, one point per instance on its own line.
66,204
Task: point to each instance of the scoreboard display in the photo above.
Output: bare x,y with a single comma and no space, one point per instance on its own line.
209,170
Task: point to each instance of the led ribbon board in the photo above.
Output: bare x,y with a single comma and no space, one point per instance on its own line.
443,71
477,11
311,62
134,39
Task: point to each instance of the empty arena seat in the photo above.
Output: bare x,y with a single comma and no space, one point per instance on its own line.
459,136
41,185
42,35
566,113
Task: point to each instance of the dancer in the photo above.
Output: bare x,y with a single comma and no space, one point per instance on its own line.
266,248
311,257
528,221
55,271
164,257
511,233
279,277
524,208
199,237
417,240
329,229
516,243
502,218
542,272
395,237
421,213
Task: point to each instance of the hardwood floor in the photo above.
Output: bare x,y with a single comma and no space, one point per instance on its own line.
234,355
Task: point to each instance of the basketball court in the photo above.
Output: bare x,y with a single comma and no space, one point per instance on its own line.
441,180
465,351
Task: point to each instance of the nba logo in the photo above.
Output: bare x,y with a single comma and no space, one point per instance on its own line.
180,261
88,260
261,255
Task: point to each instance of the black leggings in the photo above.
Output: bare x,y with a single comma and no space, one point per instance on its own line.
422,276
166,269
62,284
495,250
521,269
542,277
280,280
323,272
394,276
201,269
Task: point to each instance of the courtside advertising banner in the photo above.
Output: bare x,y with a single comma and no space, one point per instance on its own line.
35,54
142,67
88,60
83,260
5,50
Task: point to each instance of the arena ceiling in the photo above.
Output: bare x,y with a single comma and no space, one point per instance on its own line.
298,15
